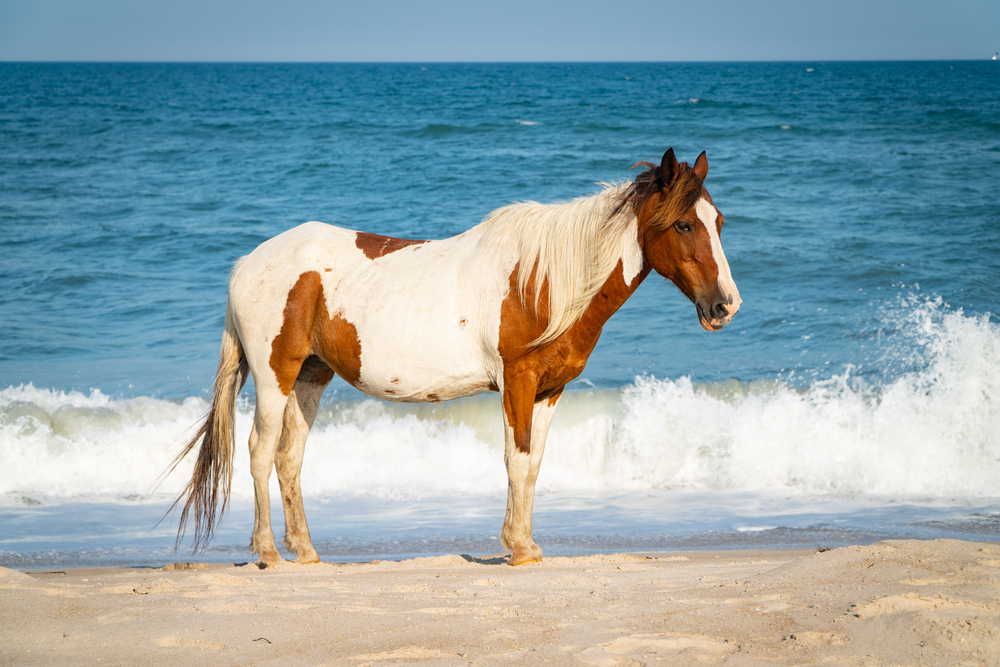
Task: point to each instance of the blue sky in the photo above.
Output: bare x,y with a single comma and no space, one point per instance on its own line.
512,30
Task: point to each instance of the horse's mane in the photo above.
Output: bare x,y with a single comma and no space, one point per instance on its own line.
574,246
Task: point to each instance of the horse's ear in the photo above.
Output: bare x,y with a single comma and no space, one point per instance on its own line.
668,167
701,166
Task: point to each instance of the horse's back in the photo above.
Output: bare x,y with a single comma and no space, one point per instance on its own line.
308,245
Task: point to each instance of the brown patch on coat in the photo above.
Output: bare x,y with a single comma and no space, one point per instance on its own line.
309,333
433,398
341,348
290,348
376,245
537,372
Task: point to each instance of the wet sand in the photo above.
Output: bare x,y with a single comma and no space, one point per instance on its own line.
893,603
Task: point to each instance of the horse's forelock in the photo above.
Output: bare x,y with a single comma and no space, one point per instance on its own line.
683,194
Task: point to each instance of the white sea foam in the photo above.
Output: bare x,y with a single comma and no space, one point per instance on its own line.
930,431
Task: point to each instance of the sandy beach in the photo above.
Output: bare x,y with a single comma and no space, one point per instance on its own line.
891,603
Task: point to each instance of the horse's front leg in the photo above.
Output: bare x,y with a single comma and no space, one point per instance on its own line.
527,425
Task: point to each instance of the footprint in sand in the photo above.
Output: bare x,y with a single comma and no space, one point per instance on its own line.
407,653
815,639
178,642
158,586
895,604
637,649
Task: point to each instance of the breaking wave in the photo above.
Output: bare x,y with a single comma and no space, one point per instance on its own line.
929,429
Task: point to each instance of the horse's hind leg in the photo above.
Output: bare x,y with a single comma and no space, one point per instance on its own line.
264,439
300,412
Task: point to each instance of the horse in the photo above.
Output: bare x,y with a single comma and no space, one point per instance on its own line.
514,305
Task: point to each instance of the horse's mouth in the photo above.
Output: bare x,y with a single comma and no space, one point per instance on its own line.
711,325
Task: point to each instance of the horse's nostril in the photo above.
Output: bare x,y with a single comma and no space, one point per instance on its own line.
719,310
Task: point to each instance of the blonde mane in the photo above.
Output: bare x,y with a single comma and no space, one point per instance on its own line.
572,246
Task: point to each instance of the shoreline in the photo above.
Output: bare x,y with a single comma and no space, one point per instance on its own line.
893,602
101,532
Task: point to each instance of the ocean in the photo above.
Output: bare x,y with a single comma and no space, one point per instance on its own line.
855,396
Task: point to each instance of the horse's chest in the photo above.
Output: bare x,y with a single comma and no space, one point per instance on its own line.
557,364
562,371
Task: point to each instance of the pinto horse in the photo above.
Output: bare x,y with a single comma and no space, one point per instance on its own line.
514,305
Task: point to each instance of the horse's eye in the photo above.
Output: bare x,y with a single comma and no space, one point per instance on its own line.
683,227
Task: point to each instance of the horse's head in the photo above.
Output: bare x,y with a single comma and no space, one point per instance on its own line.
679,229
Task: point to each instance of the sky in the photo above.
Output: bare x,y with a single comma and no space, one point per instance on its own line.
504,31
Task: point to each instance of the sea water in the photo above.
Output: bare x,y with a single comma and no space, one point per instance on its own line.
853,398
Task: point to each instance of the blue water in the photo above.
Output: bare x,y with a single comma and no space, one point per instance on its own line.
862,205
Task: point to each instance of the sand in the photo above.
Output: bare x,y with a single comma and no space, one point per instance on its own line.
892,603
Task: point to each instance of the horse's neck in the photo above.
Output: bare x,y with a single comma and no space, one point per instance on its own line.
631,269
612,296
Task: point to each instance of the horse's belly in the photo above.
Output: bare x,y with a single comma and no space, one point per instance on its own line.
421,373
411,389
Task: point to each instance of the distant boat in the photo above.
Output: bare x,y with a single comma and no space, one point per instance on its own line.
995,55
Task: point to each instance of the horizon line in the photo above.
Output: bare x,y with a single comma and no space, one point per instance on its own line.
486,62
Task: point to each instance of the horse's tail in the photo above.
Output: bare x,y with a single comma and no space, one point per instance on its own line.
214,466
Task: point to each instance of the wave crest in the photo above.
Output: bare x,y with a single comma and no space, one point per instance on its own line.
928,426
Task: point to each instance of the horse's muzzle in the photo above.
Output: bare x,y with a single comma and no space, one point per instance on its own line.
715,314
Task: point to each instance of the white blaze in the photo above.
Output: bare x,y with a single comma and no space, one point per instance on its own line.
708,215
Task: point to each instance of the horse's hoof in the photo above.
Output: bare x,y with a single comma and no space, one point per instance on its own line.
524,558
306,559
264,563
